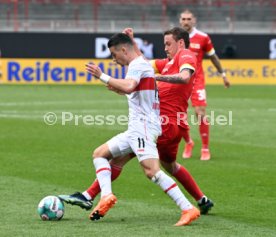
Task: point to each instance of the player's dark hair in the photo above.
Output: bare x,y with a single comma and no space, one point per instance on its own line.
178,34
119,39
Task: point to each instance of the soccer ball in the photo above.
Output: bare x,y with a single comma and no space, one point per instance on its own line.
50,208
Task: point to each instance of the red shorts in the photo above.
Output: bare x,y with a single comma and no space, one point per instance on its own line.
198,97
168,142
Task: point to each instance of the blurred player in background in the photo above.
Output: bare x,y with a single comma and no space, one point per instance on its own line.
147,49
143,128
175,88
201,44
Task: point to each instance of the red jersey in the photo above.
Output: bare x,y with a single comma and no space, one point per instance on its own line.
200,44
174,97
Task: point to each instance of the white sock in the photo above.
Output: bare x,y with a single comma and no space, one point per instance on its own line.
171,188
87,195
103,172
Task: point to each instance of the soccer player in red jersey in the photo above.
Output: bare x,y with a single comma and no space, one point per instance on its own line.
200,44
175,88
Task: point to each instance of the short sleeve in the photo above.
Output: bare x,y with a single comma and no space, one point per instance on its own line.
187,61
158,65
134,72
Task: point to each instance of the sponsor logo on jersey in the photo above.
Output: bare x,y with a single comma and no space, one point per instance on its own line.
186,56
195,46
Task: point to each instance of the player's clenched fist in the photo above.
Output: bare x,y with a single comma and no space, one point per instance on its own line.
129,32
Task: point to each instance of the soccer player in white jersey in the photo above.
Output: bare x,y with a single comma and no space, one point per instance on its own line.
143,129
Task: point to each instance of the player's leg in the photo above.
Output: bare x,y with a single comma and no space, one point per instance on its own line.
185,178
204,126
199,103
167,148
148,158
117,165
101,157
168,185
116,147
189,143
85,199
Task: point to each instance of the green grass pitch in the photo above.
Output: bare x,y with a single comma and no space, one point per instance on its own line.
37,160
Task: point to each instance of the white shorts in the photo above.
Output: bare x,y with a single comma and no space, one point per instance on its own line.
140,142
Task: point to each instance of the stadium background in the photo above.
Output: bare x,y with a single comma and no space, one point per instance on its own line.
42,40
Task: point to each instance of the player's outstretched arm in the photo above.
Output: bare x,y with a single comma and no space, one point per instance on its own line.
216,62
125,86
181,78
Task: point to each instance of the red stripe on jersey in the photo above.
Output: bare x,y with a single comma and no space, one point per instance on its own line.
171,187
146,83
102,169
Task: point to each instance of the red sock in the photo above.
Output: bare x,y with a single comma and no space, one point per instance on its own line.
186,135
204,132
186,179
95,189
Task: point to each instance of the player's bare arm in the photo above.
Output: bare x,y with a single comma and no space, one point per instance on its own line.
216,62
181,78
114,90
125,86
130,33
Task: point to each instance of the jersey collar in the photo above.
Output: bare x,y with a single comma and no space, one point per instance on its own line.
193,32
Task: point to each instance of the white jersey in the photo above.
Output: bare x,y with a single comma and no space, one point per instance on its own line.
144,125
143,102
